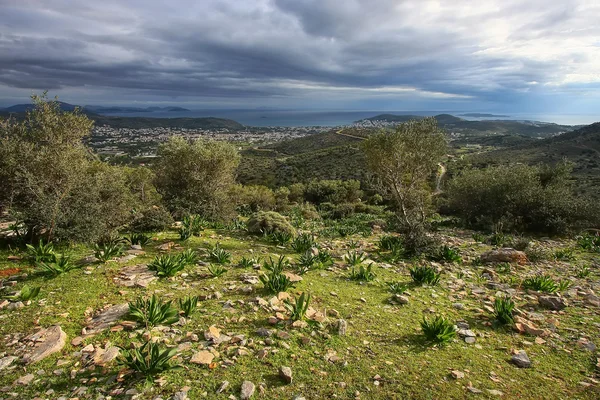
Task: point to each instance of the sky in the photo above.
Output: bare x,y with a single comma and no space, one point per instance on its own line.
500,55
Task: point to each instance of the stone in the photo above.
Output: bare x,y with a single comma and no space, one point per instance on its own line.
286,374
247,390
223,387
342,327
521,359
202,357
47,341
5,362
552,302
25,380
504,255
77,341
15,306
106,319
401,299
524,326
212,333
457,374
293,277
135,276
165,246
103,357
263,332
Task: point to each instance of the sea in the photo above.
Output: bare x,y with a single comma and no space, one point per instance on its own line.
294,118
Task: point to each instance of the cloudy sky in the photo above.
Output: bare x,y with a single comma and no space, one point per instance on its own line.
501,55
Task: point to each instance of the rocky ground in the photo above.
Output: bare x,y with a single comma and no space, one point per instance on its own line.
357,342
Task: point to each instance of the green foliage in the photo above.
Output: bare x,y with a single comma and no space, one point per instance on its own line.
248,262
219,255
61,264
354,258
447,254
279,238
269,222
541,283
138,238
189,256
197,177
188,305
332,191
216,270
167,265
589,242
362,274
303,243
499,239
397,287
298,308
25,294
276,282
276,266
537,253
107,251
438,329
519,198
152,312
191,225
253,198
389,242
564,255
41,253
151,219
503,268
503,310
479,237
424,275
584,272
148,360
306,262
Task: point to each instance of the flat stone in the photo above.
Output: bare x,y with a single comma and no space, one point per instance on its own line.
247,390
5,362
552,302
203,357
135,276
521,360
457,374
47,341
342,327
25,380
103,357
106,319
286,374
504,255
293,277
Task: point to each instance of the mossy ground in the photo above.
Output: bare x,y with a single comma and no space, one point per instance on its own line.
383,355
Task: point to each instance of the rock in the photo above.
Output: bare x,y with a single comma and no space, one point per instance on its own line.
401,299
457,374
5,362
247,390
299,324
135,276
25,380
552,302
521,359
223,387
504,255
342,327
47,341
286,374
212,333
293,277
524,326
106,319
103,357
15,306
263,332
77,341
585,344
165,246
202,357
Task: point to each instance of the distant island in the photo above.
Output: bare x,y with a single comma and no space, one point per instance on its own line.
483,115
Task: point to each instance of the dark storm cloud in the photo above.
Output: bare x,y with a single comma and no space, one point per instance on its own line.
302,50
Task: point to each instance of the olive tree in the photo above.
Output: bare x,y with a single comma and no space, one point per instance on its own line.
402,162
196,177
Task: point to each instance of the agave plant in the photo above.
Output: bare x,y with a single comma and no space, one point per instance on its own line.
298,308
280,237
25,294
188,256
152,312
60,265
354,258
248,262
276,266
219,255
389,242
306,262
137,238
541,283
148,360
503,310
216,270
584,272
362,274
167,265
107,251
303,243
324,258
191,225
564,255
447,254
424,275
276,282
438,329
396,287
41,252
188,305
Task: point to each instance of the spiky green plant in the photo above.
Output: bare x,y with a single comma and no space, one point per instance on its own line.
564,255
188,305
499,239
503,310
148,360
138,238
478,237
541,283
280,237
503,268
216,270
298,308
25,294
167,265
397,287
107,251
354,258
219,255
248,262
41,252
324,258
191,225
584,272
276,266
564,285
306,262
589,242
189,256
362,273
447,254
303,243
152,312
60,265
276,282
424,275
438,329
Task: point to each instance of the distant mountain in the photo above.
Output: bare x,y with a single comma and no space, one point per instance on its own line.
150,122
483,115
21,108
118,109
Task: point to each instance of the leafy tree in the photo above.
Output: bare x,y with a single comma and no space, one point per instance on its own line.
196,177
402,162
50,181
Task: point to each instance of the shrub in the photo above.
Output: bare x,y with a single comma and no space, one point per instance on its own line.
298,308
389,242
276,282
541,283
167,265
276,266
584,272
188,305
248,262
438,329
188,256
152,312
216,270
219,255
253,198
269,222
306,262
423,274
41,253
589,242
151,219
61,264
362,274
279,238
564,255
303,243
332,191
503,310
446,254
148,360
191,225
137,238
354,257
396,287
107,251
518,197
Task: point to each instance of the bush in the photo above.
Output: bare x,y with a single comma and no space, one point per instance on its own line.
519,198
332,191
148,360
423,274
438,329
167,265
503,310
362,274
303,243
254,198
152,219
269,222
152,312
